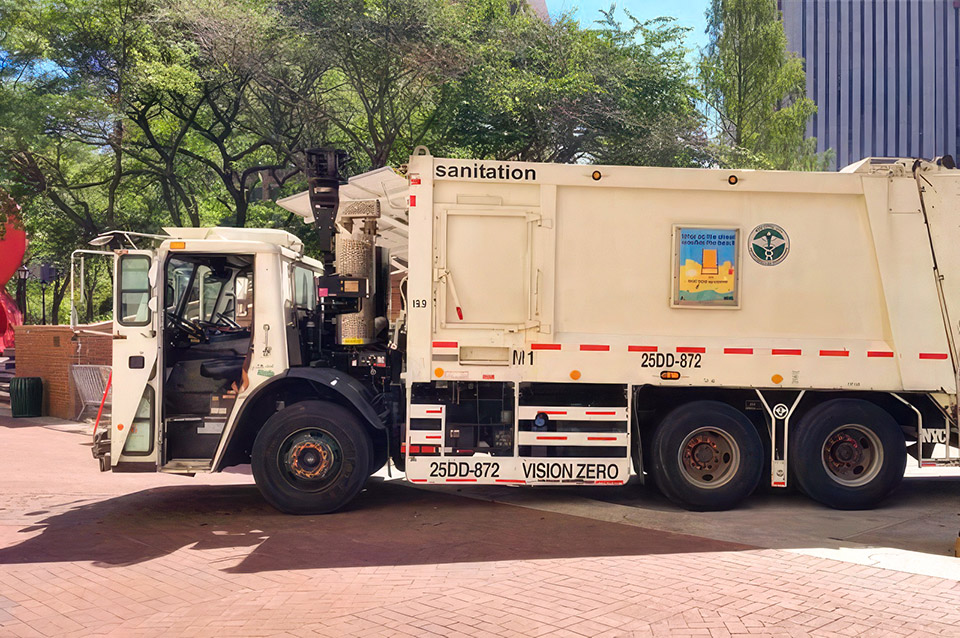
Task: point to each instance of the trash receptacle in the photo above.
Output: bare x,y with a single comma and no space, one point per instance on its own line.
26,396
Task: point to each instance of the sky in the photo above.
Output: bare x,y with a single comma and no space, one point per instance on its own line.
689,13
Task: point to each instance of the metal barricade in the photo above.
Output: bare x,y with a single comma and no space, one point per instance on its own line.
91,384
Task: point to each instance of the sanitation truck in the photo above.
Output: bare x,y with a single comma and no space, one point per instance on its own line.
480,322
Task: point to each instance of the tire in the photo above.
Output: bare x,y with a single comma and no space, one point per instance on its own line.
848,454
706,456
311,458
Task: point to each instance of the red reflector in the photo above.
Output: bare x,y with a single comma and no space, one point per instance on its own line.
788,351
738,351
589,413
880,353
510,481
461,480
688,350
551,438
488,377
554,412
545,346
414,449
413,200
593,348
933,355
459,313
428,449
641,348
414,181
434,411
403,447
601,438
433,438
834,353
444,344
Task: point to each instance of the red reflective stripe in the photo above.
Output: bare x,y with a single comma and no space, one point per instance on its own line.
403,447
434,411
601,438
589,413
554,412
418,480
834,353
551,438
413,200
641,348
738,351
585,347
689,350
510,481
928,464
880,353
444,344
933,355
464,480
414,449
433,437
786,351
545,346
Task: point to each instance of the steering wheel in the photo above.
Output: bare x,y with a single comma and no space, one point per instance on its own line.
187,327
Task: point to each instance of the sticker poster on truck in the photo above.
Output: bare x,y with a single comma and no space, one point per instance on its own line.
705,267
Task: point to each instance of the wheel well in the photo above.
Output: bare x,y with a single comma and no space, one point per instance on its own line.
285,392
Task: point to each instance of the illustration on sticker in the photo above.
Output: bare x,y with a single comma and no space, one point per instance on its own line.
705,267
769,244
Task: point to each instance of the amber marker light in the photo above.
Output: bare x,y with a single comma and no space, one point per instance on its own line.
438,372
178,245
596,176
670,375
777,379
574,374
732,180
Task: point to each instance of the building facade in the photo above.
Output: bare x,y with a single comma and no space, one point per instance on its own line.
885,74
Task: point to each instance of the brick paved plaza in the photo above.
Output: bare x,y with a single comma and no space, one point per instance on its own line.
84,553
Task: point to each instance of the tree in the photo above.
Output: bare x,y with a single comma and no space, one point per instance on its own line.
556,92
754,89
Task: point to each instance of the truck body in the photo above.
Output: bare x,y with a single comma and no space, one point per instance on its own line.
559,324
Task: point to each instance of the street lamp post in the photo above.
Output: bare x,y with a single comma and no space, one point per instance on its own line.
22,273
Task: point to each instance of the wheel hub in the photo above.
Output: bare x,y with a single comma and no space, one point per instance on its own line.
310,459
852,455
702,453
709,457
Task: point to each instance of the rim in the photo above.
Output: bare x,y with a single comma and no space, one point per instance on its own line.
852,455
310,460
709,457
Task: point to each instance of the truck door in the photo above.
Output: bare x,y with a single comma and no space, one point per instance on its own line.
133,433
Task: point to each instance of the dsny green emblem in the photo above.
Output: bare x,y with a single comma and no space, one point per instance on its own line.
769,244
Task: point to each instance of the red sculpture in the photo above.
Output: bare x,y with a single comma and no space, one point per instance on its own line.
13,245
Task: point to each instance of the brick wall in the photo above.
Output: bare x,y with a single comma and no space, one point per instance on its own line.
49,351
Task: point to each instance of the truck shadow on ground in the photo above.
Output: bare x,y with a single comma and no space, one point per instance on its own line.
388,524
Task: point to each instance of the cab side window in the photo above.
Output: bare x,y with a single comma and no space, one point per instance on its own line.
134,291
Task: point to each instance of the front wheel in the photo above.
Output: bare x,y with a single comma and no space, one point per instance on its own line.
311,458
707,455
848,454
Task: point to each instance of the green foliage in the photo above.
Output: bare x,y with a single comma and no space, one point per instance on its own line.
754,90
139,114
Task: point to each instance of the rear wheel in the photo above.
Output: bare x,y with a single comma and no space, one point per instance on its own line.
848,454
311,458
706,456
